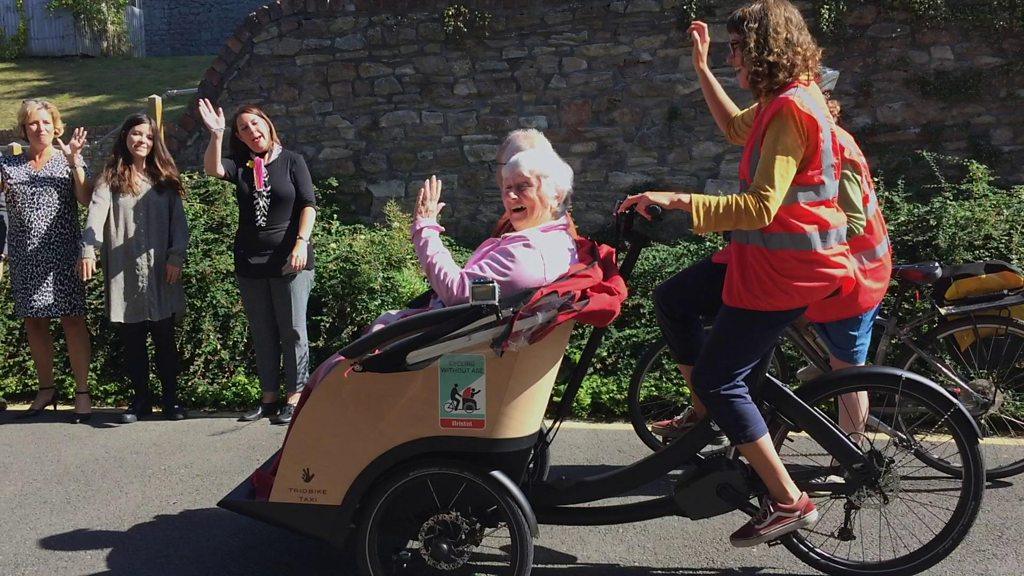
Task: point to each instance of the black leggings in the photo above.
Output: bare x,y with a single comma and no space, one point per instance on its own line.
136,358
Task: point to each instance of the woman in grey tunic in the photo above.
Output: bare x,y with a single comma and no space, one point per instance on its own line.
137,224
41,187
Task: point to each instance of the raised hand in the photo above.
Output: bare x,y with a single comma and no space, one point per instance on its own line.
701,38
73,149
212,117
427,205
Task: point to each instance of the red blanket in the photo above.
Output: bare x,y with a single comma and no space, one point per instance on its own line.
593,290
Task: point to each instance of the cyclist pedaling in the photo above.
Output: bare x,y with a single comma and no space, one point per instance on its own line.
768,275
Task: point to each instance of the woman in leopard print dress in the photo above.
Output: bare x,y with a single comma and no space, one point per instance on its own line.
41,187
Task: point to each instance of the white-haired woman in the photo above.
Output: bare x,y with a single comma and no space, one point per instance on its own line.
515,142
536,186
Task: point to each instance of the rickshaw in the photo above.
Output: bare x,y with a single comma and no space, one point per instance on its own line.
375,459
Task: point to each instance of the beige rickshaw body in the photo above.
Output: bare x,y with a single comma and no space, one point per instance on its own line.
352,418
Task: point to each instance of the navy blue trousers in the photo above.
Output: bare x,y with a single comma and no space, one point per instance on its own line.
728,360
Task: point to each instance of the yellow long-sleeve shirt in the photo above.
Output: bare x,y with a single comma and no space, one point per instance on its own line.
782,153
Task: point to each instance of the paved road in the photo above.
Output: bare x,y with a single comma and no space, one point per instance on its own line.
140,500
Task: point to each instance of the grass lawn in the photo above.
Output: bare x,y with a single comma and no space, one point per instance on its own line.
96,91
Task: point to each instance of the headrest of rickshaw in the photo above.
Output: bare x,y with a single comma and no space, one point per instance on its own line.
591,292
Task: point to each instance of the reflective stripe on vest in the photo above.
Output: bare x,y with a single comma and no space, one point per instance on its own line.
803,194
872,206
873,254
816,241
800,194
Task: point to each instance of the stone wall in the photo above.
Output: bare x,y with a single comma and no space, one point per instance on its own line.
192,27
376,94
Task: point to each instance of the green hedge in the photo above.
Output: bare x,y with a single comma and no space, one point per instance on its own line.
961,213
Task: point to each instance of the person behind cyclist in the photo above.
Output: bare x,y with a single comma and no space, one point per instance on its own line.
787,248
845,323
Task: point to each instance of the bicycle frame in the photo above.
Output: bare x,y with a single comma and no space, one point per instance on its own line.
552,501
893,331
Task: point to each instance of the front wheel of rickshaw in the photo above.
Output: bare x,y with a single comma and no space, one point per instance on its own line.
443,518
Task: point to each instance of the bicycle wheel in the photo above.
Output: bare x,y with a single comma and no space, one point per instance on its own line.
436,518
986,353
905,519
657,390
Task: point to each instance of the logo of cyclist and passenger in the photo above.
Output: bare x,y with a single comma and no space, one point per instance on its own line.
465,400
462,391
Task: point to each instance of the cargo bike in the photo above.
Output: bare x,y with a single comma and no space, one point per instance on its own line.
375,459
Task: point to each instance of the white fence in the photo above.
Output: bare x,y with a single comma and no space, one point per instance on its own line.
58,34
136,31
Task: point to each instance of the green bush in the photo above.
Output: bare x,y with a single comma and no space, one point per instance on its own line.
958,215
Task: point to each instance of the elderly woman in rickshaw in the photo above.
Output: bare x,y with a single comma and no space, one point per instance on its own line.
536,248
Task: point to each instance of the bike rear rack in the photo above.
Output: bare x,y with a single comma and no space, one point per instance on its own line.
970,307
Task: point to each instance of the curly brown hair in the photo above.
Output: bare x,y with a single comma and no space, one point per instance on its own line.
777,46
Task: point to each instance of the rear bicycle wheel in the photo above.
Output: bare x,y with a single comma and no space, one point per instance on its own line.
658,392
987,353
908,517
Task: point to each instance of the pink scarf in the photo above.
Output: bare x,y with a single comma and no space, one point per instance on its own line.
261,184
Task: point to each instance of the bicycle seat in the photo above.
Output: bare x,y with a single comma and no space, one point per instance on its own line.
921,273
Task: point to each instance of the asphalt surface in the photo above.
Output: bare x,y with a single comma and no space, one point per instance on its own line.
140,500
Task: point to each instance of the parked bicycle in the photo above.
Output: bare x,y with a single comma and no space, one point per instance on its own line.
975,349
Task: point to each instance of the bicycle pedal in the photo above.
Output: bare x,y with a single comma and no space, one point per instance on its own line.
776,542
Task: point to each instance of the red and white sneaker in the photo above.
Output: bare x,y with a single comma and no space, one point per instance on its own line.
775,520
676,427
680,425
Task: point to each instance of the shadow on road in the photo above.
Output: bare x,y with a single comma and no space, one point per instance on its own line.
203,542
213,541
101,417
549,562
998,484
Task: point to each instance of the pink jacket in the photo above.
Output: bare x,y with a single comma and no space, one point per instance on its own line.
516,261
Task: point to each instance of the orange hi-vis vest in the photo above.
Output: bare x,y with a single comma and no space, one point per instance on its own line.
801,256
871,251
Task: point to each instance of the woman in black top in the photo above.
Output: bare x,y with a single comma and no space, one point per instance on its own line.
273,256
